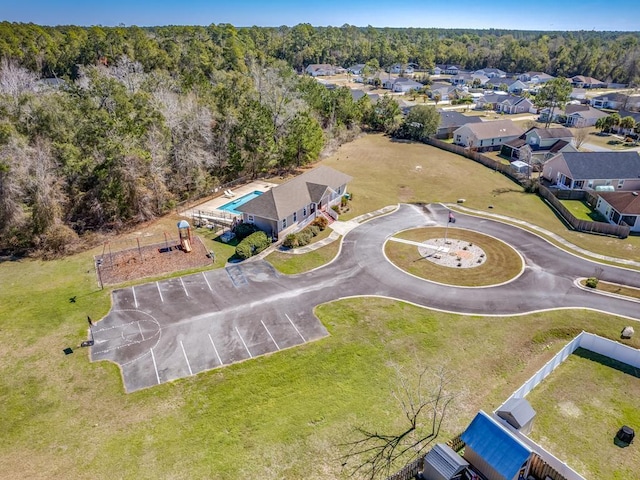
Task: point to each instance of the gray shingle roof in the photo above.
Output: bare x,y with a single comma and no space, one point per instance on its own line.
602,165
449,119
517,412
495,129
555,132
283,200
444,460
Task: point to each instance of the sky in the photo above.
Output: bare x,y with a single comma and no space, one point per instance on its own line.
618,15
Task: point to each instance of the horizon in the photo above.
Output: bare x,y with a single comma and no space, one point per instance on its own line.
548,16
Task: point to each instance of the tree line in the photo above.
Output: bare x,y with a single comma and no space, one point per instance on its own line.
103,127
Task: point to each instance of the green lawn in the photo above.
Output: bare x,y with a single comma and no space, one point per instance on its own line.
582,211
385,173
503,263
280,416
578,428
297,263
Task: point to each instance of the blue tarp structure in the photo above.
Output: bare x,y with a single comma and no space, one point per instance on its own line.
496,446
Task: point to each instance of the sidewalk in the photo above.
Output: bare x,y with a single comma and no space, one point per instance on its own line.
547,233
340,228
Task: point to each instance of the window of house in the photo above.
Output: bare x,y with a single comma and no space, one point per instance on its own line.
250,218
284,223
295,216
304,212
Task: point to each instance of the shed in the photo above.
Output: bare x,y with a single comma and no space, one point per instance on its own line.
442,463
519,166
518,413
493,450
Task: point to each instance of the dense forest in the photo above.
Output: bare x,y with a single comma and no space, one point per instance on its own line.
102,127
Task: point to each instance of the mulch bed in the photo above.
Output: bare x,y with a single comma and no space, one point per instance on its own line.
151,261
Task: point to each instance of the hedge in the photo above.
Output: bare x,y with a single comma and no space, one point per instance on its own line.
304,237
252,245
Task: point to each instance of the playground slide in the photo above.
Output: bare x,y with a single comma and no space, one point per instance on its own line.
186,246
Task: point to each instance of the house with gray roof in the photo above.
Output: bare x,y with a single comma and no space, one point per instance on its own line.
491,72
295,203
616,101
619,171
401,84
513,84
581,81
450,120
486,136
619,207
537,145
505,103
578,116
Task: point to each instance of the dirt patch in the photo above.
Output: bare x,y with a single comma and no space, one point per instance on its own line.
150,261
569,409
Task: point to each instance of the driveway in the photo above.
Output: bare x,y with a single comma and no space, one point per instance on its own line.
166,330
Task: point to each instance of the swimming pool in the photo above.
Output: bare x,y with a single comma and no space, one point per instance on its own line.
231,206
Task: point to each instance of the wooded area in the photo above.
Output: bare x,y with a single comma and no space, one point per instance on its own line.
101,127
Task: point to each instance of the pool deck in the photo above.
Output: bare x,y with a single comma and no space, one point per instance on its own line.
214,204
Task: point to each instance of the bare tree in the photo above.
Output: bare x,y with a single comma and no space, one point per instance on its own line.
580,136
424,403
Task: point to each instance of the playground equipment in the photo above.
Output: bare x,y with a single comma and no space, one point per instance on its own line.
184,231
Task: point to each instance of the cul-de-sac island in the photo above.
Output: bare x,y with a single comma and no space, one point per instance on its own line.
306,252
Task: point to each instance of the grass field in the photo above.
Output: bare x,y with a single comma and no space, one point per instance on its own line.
385,173
582,211
298,263
280,416
578,428
502,264
617,289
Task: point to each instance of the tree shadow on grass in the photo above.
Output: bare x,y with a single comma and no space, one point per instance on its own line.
608,362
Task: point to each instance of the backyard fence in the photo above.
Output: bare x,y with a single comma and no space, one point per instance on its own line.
409,471
489,162
553,197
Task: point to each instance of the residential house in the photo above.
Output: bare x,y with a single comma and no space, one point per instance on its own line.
357,94
468,79
447,91
590,170
490,73
535,77
619,207
616,101
407,68
537,145
486,135
446,69
401,84
578,94
579,116
492,450
580,81
451,121
505,103
356,69
513,84
293,204
438,70
320,69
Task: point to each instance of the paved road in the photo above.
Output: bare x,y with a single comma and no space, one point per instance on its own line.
161,331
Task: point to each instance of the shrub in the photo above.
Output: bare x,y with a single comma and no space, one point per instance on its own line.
304,237
591,282
336,209
320,222
243,230
315,230
252,245
291,241
344,201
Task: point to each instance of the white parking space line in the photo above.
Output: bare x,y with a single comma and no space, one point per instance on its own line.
208,284
185,357
160,292
135,300
185,288
155,367
272,339
245,345
215,349
140,328
294,326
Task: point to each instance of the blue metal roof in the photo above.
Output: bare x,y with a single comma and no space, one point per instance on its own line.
495,445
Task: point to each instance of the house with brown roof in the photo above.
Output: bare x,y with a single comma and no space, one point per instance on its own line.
580,81
486,135
295,203
619,207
